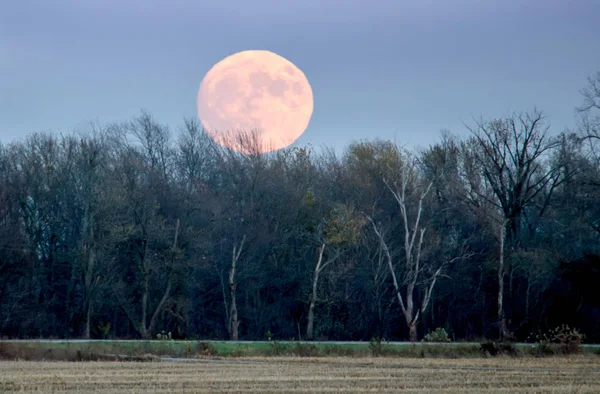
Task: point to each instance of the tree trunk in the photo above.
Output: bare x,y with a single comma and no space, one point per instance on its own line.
89,291
147,329
143,328
88,318
311,309
89,249
412,330
233,316
501,317
313,300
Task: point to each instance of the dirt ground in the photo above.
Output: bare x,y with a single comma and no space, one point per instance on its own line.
301,375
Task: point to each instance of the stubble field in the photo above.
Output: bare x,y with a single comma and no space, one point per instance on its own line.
580,374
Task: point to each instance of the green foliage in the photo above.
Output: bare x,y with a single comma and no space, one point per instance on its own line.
375,346
439,335
104,329
343,225
269,335
278,349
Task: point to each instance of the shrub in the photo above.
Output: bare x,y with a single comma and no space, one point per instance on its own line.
542,349
278,349
305,350
207,349
269,335
242,351
493,349
563,339
375,346
164,336
450,351
342,351
439,335
103,329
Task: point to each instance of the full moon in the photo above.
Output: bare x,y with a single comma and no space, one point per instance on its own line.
255,93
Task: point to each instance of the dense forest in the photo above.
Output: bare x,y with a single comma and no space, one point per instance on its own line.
125,230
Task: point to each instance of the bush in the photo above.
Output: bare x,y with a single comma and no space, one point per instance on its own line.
450,351
15,351
375,346
269,335
207,349
278,349
164,336
543,349
562,339
342,351
439,335
494,349
242,351
305,350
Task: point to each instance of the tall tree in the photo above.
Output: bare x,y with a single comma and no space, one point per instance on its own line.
92,156
409,192
512,156
144,225
589,110
339,227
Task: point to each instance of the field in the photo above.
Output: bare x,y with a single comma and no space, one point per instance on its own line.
580,374
277,367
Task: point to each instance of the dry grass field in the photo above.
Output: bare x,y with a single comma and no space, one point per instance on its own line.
579,374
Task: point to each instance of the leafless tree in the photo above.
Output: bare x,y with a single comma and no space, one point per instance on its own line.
414,235
92,158
508,170
589,110
512,154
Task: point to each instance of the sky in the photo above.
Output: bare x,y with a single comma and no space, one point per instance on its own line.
390,69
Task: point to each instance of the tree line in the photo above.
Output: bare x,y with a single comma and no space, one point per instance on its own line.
127,230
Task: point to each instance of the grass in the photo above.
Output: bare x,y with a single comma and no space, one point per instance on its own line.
579,374
67,350
94,350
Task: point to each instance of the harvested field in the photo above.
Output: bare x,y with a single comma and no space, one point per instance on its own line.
579,374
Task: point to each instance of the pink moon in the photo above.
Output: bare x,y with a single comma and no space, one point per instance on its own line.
255,93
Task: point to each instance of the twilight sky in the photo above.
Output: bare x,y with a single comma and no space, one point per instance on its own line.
400,69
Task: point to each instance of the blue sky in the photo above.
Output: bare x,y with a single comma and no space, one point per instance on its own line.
403,69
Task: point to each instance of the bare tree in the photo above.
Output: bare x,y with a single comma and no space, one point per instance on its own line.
92,156
414,235
512,155
589,110
501,269
508,171
142,222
